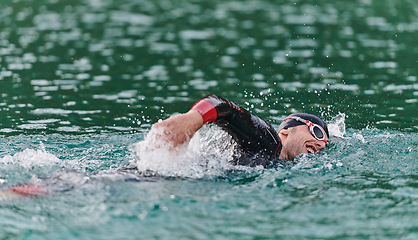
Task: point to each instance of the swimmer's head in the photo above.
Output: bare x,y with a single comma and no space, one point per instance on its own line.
297,139
297,119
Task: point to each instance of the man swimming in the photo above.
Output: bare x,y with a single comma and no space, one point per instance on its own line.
258,141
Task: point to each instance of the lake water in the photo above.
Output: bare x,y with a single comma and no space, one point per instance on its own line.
82,82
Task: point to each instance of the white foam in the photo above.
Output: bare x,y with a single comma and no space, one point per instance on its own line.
30,158
206,154
359,137
336,126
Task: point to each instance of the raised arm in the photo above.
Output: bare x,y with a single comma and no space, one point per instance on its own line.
250,131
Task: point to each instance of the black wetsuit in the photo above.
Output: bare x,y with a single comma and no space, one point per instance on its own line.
258,141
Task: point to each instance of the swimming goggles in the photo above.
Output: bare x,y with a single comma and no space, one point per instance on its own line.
316,131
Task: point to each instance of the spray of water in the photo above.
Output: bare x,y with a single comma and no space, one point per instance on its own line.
30,158
336,126
207,153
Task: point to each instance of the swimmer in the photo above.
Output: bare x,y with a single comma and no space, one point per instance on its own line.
259,143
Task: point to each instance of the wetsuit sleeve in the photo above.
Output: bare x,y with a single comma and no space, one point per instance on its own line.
252,133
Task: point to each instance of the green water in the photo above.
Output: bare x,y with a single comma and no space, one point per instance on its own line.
82,82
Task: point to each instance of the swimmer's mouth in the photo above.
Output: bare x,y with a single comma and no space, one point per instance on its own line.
311,149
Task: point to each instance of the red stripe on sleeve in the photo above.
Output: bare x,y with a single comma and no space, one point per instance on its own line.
207,110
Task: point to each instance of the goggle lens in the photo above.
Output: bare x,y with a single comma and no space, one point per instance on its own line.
318,133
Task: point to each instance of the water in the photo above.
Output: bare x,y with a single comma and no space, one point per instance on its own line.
82,82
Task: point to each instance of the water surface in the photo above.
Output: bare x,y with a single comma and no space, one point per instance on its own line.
82,82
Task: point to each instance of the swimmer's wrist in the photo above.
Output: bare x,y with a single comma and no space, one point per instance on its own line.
206,110
196,118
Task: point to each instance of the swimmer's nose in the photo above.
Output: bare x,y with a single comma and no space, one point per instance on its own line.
320,144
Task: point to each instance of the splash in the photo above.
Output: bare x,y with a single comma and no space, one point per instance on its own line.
207,154
30,158
336,126
27,163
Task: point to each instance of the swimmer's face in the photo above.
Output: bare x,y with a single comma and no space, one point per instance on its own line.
298,140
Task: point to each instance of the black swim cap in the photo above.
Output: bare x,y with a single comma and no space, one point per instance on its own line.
293,123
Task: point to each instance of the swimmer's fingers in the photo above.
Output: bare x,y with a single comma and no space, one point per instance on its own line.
158,139
178,130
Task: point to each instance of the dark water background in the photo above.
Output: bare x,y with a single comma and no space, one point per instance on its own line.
81,81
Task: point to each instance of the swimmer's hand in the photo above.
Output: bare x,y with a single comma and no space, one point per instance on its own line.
178,130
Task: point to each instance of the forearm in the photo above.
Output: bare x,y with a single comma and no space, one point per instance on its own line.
248,130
